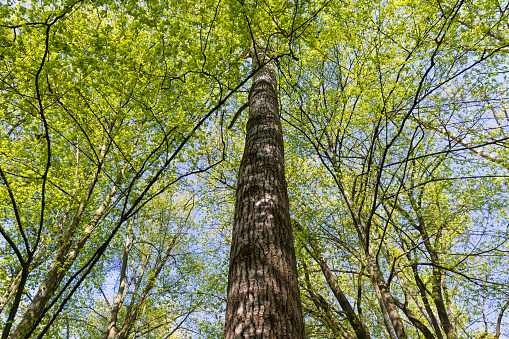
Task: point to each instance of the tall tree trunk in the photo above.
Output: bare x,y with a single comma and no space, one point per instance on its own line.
263,293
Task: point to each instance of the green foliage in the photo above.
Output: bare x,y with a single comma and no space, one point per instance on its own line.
113,123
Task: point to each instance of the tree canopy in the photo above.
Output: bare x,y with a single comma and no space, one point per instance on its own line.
122,128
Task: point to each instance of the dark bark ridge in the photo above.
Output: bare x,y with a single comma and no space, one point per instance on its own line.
263,294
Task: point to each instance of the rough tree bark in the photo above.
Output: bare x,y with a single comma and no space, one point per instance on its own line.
263,293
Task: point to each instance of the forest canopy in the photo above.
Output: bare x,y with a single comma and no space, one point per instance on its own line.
122,131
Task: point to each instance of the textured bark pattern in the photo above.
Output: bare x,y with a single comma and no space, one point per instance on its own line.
263,293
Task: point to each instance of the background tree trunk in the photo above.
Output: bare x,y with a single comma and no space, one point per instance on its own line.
263,292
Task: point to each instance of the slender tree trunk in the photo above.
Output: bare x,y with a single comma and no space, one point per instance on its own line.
436,279
385,298
111,332
263,293
359,327
427,305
